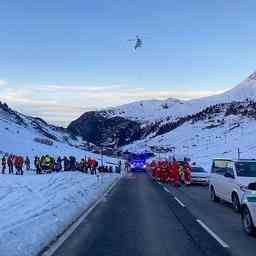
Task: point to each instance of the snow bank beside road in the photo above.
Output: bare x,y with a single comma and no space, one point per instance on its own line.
35,209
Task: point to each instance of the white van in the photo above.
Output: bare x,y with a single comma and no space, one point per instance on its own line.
229,180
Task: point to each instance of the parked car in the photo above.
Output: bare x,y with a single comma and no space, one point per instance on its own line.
248,210
229,180
199,175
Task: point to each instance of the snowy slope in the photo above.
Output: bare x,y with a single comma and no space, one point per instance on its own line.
220,136
155,110
20,134
35,209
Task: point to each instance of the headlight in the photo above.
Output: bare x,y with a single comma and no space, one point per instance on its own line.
144,166
132,165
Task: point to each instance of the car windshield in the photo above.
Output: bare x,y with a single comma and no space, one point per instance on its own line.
197,169
246,169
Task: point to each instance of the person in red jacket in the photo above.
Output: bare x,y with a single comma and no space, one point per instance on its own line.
170,173
158,171
176,174
19,165
187,173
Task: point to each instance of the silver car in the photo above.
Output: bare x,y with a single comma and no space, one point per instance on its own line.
199,175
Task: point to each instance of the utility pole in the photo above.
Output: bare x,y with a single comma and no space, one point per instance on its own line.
101,156
238,153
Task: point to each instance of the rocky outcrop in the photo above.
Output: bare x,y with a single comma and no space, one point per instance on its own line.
96,128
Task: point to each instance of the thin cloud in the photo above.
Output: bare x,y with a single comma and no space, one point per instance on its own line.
3,83
62,104
68,89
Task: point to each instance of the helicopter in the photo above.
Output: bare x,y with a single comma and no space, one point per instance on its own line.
138,42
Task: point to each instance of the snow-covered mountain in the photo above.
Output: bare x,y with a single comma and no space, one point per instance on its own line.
26,135
148,114
217,132
155,110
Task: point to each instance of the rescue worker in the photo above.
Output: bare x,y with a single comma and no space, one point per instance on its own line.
66,164
153,169
170,173
3,164
175,171
81,165
126,167
187,173
158,171
27,163
58,165
37,165
93,164
89,164
86,166
181,172
72,163
10,163
18,163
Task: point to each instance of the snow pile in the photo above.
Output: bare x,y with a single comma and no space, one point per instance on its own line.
35,209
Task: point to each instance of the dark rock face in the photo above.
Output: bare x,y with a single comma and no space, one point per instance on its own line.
95,128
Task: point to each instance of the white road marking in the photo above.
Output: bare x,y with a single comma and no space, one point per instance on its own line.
56,245
166,189
214,235
177,199
159,183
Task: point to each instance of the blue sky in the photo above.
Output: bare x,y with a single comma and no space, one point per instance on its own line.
60,58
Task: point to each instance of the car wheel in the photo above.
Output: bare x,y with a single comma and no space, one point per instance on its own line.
247,221
235,202
214,198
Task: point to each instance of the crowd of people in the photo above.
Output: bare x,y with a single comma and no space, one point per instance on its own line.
14,164
171,171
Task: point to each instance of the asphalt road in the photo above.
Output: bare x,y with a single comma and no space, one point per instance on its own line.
140,218
220,217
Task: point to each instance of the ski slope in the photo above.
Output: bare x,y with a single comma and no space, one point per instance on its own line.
37,208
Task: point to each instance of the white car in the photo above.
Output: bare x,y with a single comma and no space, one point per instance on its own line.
229,180
248,210
199,175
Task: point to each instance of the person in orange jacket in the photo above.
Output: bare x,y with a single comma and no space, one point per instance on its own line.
176,174
164,171
158,171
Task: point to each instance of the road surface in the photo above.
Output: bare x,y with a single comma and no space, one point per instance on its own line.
220,217
140,218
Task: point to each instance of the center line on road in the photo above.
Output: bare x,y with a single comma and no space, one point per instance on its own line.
183,205
166,189
214,235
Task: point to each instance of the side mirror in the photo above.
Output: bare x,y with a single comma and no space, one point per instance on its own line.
229,175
